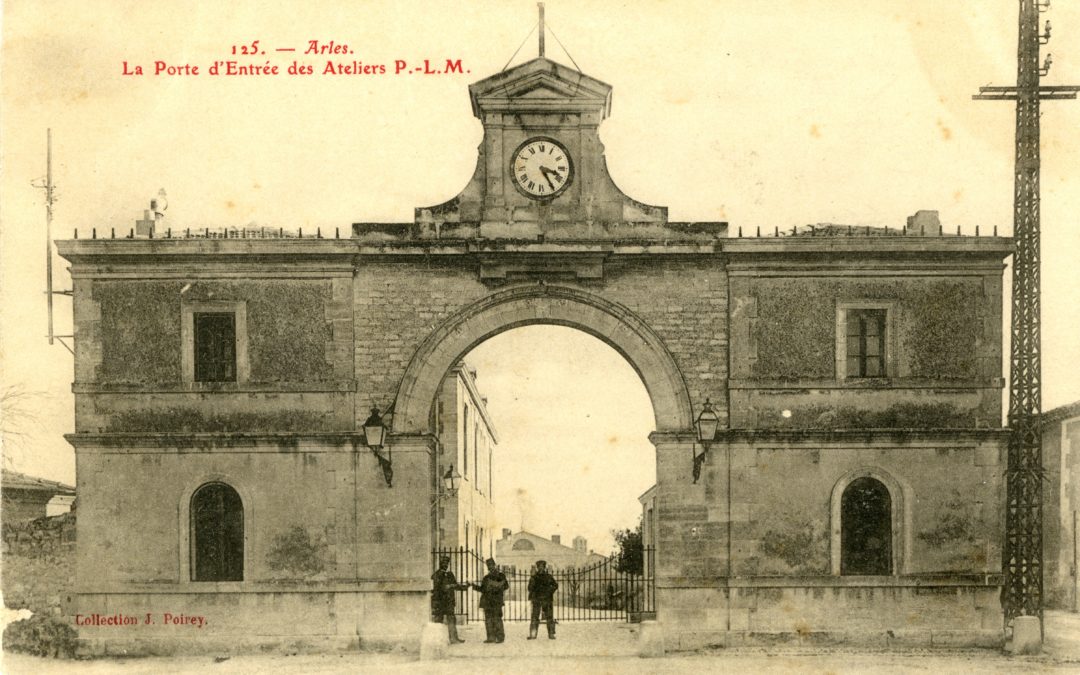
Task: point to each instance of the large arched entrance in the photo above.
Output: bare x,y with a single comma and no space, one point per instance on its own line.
542,304
626,594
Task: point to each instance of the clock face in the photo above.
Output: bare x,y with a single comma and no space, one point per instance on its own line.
541,168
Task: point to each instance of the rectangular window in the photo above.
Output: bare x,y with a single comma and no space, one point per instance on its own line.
465,443
215,346
866,343
214,349
476,455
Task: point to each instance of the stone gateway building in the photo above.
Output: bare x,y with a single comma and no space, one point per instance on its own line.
853,489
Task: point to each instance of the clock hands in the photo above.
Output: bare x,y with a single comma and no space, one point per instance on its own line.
546,172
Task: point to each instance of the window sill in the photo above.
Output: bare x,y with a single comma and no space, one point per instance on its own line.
865,383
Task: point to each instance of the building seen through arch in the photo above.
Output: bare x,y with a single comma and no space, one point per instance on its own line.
520,550
468,445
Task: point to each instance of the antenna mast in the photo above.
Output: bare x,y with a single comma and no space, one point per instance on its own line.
48,227
50,199
1022,555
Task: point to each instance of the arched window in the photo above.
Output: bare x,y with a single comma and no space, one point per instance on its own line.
866,528
217,534
523,545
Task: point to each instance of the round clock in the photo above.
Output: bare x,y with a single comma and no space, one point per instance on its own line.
541,168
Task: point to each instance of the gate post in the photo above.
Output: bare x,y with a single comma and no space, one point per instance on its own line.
691,542
393,535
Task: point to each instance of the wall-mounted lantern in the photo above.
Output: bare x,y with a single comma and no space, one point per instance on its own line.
707,424
374,435
450,481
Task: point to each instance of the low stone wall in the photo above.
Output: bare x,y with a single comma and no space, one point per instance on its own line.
905,613
39,564
164,623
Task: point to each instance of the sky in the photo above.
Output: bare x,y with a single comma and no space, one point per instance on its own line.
762,114
574,453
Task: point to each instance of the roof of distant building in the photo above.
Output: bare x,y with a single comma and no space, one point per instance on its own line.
1060,413
14,480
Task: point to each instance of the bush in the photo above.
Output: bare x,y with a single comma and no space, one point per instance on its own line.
41,635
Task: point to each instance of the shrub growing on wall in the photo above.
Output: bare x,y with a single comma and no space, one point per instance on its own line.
296,553
41,635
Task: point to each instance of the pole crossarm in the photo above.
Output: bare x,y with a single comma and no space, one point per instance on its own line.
1045,93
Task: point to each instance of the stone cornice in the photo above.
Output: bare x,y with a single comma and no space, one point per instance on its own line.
252,441
748,249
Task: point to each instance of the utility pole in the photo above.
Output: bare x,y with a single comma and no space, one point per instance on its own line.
1022,554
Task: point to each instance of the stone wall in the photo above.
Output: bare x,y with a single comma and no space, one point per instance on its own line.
943,345
22,506
39,564
682,299
1061,517
328,546
130,353
754,546
289,332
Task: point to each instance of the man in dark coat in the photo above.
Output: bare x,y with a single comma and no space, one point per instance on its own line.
491,588
542,587
443,602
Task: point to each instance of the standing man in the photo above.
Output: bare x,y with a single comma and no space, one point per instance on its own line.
542,588
443,602
491,588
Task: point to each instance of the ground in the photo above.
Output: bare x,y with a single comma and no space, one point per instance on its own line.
576,649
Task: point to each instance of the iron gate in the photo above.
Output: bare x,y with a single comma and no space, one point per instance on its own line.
595,592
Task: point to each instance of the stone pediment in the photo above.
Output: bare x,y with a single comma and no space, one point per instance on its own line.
542,92
540,82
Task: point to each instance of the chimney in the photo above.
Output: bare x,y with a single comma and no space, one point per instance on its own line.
506,533
556,539
145,227
923,223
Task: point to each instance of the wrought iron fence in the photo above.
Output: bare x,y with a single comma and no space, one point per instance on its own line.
595,592
468,567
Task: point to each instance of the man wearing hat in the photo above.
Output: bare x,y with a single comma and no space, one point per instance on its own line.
444,584
491,588
542,587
